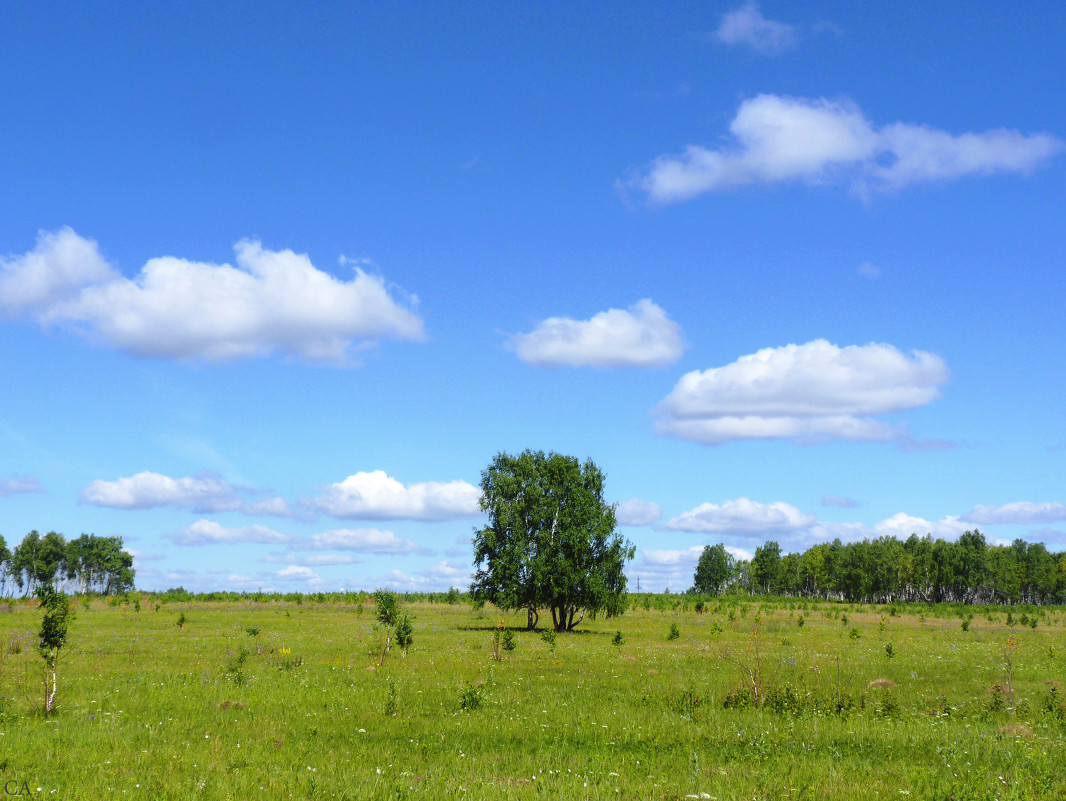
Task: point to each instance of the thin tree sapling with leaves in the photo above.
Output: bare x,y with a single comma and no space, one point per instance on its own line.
57,616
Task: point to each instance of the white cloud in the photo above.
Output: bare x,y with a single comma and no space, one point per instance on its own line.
808,392
297,573
902,525
377,496
53,272
741,517
208,532
642,336
636,512
1019,512
822,141
436,578
272,302
12,485
747,26
361,540
206,493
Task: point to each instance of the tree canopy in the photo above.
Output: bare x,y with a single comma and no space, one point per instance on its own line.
88,563
967,570
550,540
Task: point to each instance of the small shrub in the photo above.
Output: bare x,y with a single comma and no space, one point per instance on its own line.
549,637
392,704
182,620
508,640
716,629
470,698
618,639
675,632
889,650
854,633
783,700
405,632
800,620
687,703
252,631
966,624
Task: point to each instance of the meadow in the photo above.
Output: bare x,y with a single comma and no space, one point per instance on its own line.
748,698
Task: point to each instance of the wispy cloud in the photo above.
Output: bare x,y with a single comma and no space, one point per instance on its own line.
742,517
12,485
641,336
810,392
208,532
377,496
1019,512
360,540
271,302
820,141
837,500
747,26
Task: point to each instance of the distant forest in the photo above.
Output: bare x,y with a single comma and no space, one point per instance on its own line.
87,564
884,570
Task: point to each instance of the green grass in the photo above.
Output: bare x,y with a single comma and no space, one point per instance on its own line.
149,710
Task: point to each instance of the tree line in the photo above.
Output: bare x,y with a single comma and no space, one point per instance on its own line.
883,570
86,564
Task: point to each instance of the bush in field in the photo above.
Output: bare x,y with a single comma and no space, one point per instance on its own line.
675,632
388,612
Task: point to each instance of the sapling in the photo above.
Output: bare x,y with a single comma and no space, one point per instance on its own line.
53,634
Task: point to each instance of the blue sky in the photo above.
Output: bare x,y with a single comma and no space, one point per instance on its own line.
278,280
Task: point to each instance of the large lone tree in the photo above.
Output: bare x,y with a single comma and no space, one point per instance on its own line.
550,540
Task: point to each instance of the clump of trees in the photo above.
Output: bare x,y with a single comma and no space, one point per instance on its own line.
967,570
550,541
86,564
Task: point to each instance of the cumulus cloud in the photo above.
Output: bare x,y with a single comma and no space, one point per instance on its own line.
1019,512
636,512
642,336
204,493
378,496
810,392
271,302
819,141
361,540
747,26
741,517
297,573
208,532
12,485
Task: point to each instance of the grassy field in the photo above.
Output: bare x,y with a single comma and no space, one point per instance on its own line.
285,700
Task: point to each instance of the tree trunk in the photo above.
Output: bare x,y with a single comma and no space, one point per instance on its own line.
532,616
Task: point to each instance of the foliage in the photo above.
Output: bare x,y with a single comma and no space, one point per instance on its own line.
91,563
53,636
887,570
716,567
550,540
